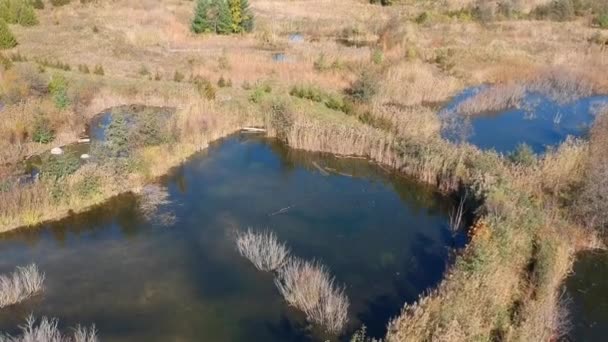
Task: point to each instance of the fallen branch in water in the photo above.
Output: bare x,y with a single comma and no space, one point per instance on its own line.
322,170
282,210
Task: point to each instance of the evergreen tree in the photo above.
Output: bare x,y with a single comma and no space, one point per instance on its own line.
200,22
236,15
247,16
7,40
224,17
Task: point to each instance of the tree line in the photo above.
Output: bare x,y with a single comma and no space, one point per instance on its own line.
222,17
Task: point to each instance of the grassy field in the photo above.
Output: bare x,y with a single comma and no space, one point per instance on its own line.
366,80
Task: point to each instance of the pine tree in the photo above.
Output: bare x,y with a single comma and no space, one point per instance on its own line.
200,22
224,18
236,14
7,40
247,16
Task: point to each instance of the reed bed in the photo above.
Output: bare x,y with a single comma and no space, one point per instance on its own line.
309,287
22,284
263,249
47,330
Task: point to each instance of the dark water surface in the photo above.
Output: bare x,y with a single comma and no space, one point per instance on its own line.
588,289
539,122
386,238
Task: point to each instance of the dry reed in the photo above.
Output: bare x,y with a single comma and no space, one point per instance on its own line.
309,287
22,284
47,331
263,249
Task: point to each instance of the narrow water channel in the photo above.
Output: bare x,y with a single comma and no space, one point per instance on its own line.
385,238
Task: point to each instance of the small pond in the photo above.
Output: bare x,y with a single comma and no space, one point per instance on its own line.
587,288
538,121
384,237
95,133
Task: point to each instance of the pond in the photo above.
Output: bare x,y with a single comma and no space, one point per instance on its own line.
587,288
386,238
538,121
95,133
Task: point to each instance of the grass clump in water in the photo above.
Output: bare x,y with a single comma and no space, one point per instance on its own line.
309,287
47,331
262,249
22,284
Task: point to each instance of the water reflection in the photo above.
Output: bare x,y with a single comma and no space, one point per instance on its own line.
385,237
587,287
538,121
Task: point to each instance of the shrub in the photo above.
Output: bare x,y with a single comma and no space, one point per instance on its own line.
99,70
377,56
59,3
309,287
281,120
381,2
18,12
143,70
523,155
47,331
7,40
259,90
43,132
262,249
601,20
559,10
177,76
83,68
20,285
38,4
204,87
60,166
365,88
117,142
58,87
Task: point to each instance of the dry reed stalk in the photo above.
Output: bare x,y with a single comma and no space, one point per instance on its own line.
22,284
262,249
47,331
309,287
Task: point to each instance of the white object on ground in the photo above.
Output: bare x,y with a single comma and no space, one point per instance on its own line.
85,156
56,151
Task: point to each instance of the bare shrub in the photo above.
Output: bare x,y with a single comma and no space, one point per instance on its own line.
309,287
20,285
262,249
47,331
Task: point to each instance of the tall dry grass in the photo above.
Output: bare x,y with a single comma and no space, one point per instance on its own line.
309,287
22,284
47,331
263,249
